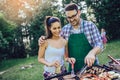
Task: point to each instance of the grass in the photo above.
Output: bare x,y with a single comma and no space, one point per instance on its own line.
14,72
113,49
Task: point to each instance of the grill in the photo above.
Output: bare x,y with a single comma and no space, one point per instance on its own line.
91,73
63,76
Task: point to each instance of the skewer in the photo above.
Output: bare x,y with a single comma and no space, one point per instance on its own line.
114,60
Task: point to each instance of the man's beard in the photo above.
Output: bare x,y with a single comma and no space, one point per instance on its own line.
74,23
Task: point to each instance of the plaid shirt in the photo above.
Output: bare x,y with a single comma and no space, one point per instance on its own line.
88,28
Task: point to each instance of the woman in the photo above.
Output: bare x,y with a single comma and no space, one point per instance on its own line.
104,38
54,50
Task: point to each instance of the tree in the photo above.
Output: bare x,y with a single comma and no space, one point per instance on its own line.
20,12
78,2
11,40
6,36
107,14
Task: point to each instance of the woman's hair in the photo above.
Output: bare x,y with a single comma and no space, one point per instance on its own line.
71,6
48,21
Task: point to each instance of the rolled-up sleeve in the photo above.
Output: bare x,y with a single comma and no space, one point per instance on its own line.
96,37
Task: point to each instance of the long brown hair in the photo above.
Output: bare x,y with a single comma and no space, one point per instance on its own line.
48,21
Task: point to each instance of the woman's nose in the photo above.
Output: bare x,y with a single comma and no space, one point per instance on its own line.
58,30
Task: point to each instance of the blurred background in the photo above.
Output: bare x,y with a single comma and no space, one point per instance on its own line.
22,23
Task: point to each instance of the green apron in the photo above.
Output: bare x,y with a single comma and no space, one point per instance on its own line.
78,47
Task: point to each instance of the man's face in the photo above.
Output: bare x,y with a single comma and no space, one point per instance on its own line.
73,17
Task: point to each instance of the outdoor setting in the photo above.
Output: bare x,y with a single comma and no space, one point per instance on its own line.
59,40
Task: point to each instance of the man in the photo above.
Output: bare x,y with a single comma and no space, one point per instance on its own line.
84,39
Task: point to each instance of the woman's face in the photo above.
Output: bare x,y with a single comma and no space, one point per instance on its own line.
102,30
55,29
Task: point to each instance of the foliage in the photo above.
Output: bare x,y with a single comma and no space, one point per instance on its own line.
9,44
6,36
78,2
18,48
19,11
107,13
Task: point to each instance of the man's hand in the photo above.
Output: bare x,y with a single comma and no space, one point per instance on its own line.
41,40
90,59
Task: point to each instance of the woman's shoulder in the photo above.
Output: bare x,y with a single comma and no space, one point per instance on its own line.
63,40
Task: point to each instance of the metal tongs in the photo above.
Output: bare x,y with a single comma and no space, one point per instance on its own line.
72,71
114,60
82,70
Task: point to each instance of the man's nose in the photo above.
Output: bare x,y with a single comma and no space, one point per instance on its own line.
71,19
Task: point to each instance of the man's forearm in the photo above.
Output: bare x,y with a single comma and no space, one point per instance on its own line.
95,50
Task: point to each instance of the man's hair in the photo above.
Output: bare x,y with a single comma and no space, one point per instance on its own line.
71,6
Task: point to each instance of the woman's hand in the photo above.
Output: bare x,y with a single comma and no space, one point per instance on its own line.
71,60
55,64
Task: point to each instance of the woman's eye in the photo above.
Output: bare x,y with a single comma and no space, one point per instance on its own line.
54,28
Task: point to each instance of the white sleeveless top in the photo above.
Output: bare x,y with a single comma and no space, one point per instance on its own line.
52,54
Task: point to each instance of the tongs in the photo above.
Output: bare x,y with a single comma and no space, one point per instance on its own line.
82,70
114,60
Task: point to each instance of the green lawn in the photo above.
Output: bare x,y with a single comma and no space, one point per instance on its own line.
113,49
14,71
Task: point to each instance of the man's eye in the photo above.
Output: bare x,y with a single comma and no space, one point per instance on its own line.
58,27
68,17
